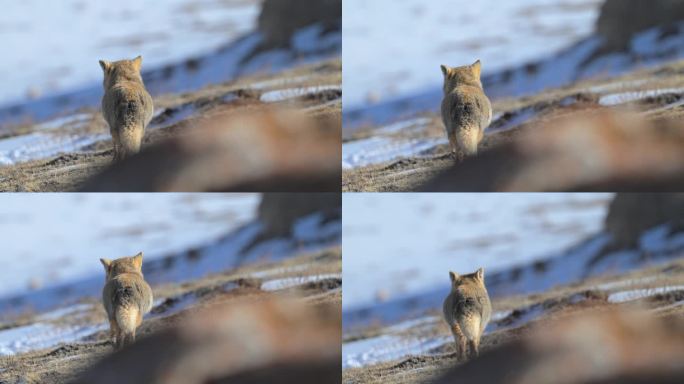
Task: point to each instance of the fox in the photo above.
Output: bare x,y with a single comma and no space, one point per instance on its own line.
467,310
126,297
466,110
126,105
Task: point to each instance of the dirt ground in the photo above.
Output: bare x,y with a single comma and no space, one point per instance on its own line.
546,107
64,362
310,92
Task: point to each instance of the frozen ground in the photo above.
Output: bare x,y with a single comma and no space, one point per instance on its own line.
410,241
55,45
424,35
54,238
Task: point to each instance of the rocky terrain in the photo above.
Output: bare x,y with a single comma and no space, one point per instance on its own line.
568,122
553,320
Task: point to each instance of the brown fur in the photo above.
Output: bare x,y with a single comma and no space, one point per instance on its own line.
467,311
466,110
126,105
126,297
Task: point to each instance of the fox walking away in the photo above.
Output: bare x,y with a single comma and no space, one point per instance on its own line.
467,310
126,105
126,297
466,110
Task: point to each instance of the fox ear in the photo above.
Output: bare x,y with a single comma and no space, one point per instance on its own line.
137,63
445,69
480,274
454,276
137,260
106,263
477,68
105,65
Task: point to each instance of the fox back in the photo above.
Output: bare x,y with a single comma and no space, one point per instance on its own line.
126,105
466,110
468,303
126,296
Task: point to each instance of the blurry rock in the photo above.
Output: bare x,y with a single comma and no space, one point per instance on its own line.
262,150
621,19
279,211
604,347
630,214
601,151
280,19
262,341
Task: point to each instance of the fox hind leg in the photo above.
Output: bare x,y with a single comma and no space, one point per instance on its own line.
114,332
460,340
474,348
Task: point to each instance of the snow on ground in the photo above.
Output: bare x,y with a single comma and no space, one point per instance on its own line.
70,36
40,145
47,331
414,239
237,57
39,335
291,93
413,338
385,145
289,282
455,32
580,59
53,238
626,97
562,266
171,256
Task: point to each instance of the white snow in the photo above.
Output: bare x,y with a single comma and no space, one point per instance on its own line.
416,238
42,335
56,45
377,150
393,48
39,145
60,237
626,97
386,348
635,294
288,282
291,93
387,145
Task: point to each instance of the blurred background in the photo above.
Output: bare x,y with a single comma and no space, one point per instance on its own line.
53,242
411,241
53,48
393,50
